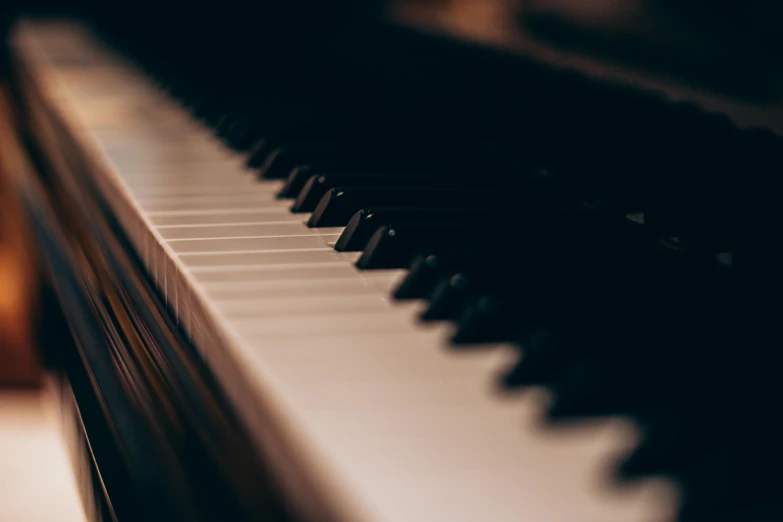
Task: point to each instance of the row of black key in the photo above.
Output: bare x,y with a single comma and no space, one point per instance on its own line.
538,266
609,315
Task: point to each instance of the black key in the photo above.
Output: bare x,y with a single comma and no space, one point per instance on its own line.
339,204
448,297
450,302
271,141
207,109
579,390
593,318
275,165
497,318
282,160
222,124
365,222
295,181
394,246
315,188
427,269
539,362
284,119
455,290
669,442
614,375
282,164
538,274
239,134
258,154
192,101
318,152
300,175
622,374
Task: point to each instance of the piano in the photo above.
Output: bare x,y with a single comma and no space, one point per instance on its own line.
330,262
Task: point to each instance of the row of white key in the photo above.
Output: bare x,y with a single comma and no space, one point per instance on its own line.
404,427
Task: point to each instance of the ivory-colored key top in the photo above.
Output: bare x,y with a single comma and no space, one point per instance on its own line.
240,244
202,203
384,405
297,287
247,215
324,323
283,306
201,262
183,190
249,274
193,172
273,229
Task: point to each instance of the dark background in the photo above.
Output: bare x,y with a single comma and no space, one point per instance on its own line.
731,46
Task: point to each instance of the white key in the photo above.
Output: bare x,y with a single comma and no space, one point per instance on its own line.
219,215
307,305
251,274
206,262
164,220
224,203
296,286
201,232
194,189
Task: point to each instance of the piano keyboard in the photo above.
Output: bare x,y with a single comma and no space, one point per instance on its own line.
384,416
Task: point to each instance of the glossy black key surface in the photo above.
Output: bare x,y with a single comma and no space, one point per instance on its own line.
295,133
447,298
507,265
283,159
332,146
668,442
426,268
431,266
601,327
549,268
299,176
258,153
317,186
539,360
395,245
365,222
499,317
699,319
240,135
339,204
455,290
510,274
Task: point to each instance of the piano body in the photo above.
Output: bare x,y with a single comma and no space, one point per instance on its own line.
335,267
